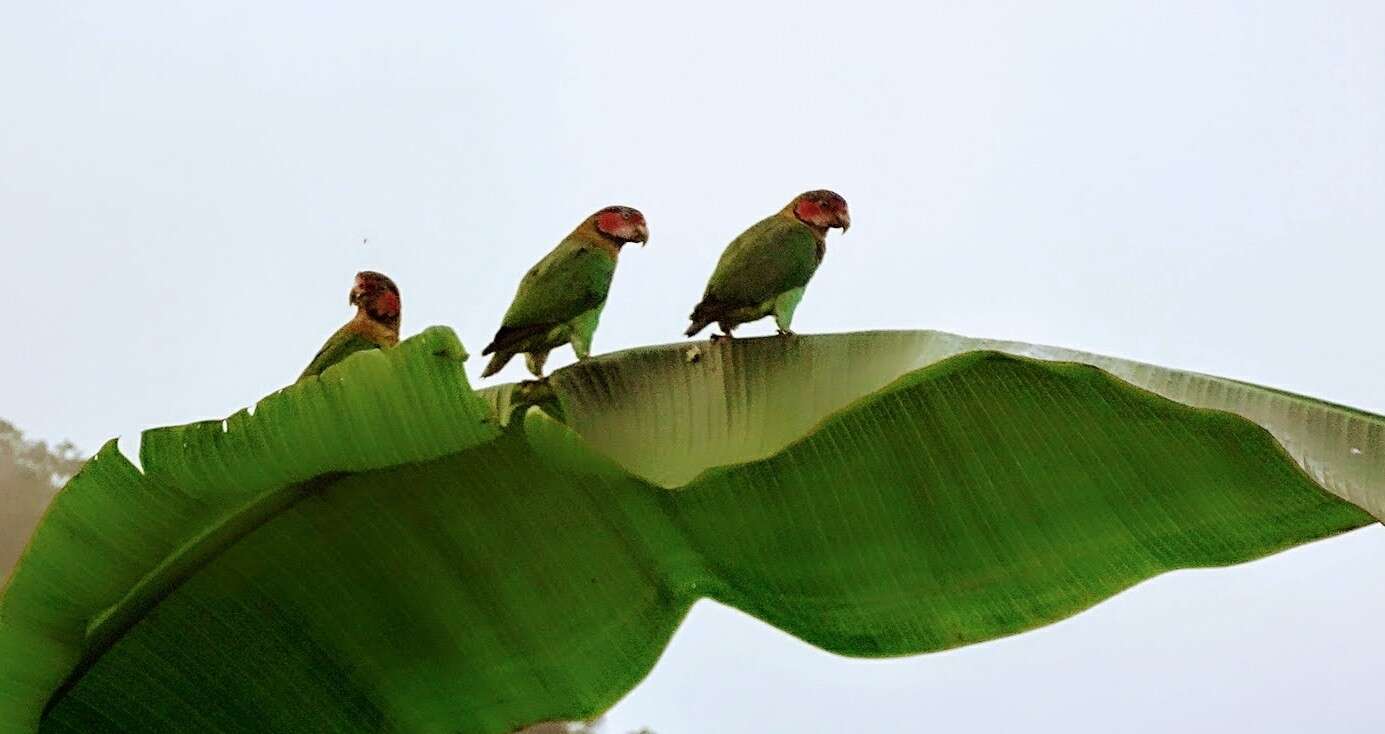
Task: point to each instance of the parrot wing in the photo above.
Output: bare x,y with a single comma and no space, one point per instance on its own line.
773,256
344,343
572,279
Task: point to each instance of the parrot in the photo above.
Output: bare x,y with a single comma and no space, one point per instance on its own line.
765,270
375,326
560,299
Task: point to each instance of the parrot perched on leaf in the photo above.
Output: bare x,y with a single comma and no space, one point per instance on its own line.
375,326
560,299
766,268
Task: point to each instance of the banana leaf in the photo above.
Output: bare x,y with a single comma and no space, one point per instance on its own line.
383,549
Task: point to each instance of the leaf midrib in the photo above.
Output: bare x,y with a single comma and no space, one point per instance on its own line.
107,628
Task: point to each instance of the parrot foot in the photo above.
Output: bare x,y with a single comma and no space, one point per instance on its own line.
786,332
533,392
722,337
534,361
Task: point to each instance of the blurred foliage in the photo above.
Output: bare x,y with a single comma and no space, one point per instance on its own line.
30,473
558,727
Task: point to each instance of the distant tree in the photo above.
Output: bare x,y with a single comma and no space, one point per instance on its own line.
552,727
30,474
561,727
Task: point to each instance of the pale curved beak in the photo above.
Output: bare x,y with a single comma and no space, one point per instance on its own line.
642,234
844,221
354,298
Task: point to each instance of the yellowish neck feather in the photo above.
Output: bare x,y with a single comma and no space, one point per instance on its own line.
588,232
373,330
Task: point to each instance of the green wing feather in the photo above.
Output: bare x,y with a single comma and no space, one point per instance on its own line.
775,255
346,342
571,280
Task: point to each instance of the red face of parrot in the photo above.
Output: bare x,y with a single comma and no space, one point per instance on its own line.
823,209
376,293
623,224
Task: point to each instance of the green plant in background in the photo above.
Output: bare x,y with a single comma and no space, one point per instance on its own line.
30,474
556,727
383,549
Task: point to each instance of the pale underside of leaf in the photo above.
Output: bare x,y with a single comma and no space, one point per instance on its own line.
668,418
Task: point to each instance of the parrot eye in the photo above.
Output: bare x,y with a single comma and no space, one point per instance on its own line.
625,216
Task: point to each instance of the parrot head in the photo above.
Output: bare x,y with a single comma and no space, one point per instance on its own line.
377,295
622,224
822,209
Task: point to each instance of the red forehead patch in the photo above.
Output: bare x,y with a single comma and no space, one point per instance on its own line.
610,222
387,304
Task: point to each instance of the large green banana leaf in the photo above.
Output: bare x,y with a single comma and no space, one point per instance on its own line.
384,550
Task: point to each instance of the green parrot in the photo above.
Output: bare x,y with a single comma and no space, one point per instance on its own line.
375,326
560,299
766,268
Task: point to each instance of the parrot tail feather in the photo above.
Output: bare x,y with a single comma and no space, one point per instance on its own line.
703,314
497,363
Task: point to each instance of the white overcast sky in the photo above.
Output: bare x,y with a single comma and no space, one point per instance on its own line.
184,190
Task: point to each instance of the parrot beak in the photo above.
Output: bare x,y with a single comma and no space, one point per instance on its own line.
844,220
643,234
354,298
